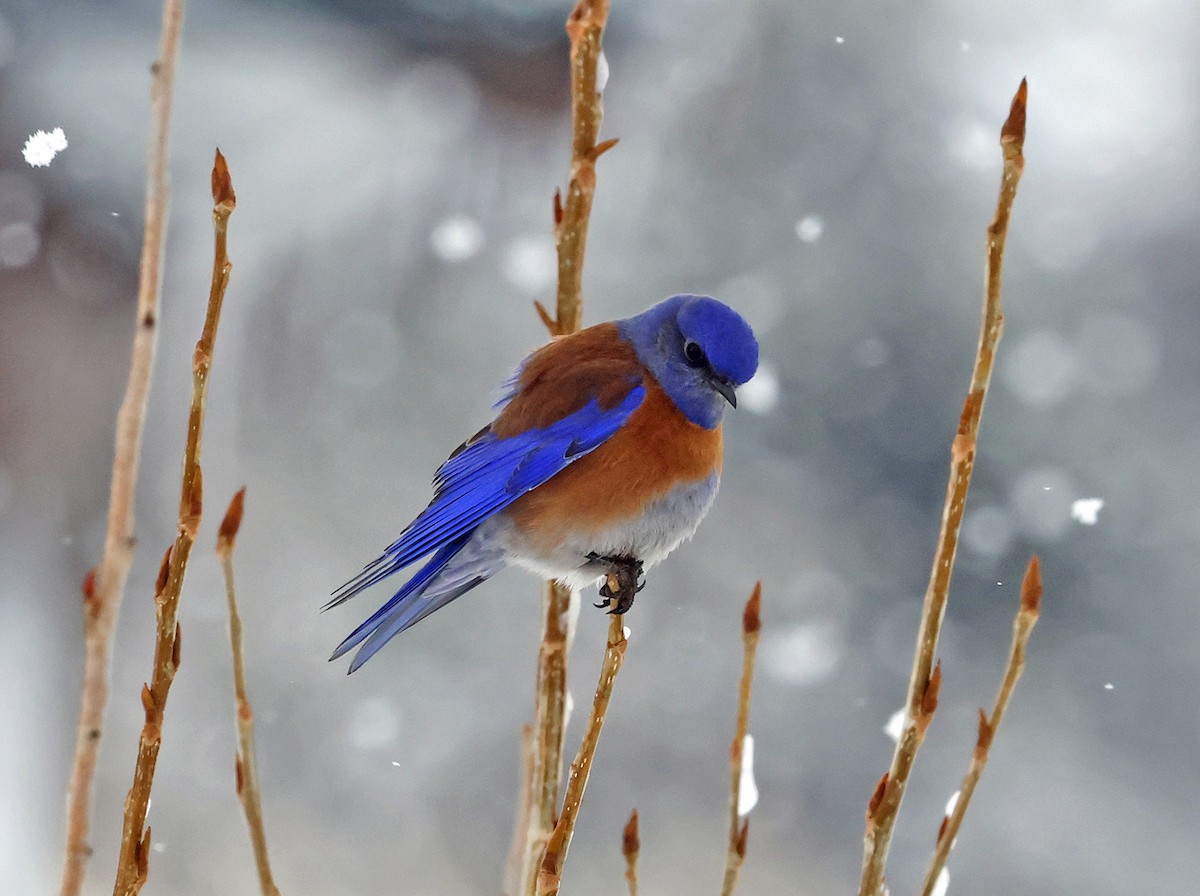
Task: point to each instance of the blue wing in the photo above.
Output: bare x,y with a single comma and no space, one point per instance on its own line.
480,479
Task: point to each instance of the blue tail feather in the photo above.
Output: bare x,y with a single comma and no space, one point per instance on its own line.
456,568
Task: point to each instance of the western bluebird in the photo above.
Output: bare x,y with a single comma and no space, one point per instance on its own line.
604,456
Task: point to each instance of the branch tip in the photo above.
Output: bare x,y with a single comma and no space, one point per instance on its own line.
1031,587
631,843
227,535
1013,131
751,618
222,184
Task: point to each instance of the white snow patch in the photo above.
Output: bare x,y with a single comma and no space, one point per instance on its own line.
1086,510
952,802
41,148
895,725
601,72
942,884
747,789
625,632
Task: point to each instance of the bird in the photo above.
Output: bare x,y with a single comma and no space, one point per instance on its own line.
603,457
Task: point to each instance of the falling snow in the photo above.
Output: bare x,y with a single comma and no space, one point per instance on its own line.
456,239
1087,510
760,394
895,725
810,228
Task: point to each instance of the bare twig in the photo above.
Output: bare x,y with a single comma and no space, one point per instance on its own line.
538,812
631,845
739,830
585,27
1023,623
105,585
247,764
135,839
881,817
550,875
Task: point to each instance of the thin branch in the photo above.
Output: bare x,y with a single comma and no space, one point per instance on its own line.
631,845
881,819
739,830
550,875
247,762
132,865
1023,623
105,585
537,814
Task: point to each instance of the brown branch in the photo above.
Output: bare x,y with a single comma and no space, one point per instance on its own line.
1023,623
105,585
739,830
538,812
550,876
247,763
631,845
135,839
920,703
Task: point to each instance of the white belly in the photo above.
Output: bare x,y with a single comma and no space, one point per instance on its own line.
662,527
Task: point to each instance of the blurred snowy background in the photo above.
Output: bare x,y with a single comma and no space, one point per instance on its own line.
826,168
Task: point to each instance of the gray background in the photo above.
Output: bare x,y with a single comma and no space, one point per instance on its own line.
394,165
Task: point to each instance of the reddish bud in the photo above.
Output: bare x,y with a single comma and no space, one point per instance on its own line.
222,184
631,843
1014,126
751,620
227,534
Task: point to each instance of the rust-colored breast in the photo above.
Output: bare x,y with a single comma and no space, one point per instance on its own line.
657,449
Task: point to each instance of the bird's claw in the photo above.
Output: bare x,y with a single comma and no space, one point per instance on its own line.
625,579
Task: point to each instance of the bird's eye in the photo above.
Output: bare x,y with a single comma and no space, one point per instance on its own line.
694,354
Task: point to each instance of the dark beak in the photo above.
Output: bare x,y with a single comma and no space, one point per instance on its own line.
725,388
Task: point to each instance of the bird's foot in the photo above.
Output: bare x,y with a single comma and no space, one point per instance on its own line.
624,580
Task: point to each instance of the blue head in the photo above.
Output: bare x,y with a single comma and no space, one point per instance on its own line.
699,349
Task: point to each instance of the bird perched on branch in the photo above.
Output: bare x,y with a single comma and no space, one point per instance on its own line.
604,456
